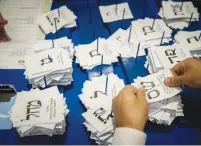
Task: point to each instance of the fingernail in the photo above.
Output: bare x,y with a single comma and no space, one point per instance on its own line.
167,81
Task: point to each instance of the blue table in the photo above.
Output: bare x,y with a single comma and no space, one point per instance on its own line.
90,26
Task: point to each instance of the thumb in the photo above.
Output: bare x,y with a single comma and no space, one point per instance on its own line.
175,81
141,95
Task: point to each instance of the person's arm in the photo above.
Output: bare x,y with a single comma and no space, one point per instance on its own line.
130,109
187,72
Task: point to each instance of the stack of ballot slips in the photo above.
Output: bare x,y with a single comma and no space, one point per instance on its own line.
115,12
190,41
188,37
97,96
48,68
178,15
39,112
164,102
56,19
150,32
63,42
166,57
99,52
142,34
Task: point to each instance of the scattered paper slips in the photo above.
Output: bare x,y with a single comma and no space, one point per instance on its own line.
63,42
57,19
178,14
99,52
115,12
39,112
48,68
97,96
165,57
164,102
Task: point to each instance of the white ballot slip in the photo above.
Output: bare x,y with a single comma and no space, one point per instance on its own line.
115,12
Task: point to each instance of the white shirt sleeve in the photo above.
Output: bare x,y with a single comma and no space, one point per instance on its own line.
129,136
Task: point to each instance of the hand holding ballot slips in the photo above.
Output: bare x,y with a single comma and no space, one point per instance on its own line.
42,112
97,96
164,102
63,42
115,12
178,14
48,68
57,19
97,53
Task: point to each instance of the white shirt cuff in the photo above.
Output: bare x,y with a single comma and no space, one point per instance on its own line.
129,136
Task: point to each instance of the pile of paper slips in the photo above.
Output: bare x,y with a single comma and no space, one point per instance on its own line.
48,68
142,34
63,42
56,19
99,52
166,57
115,12
39,112
178,15
97,95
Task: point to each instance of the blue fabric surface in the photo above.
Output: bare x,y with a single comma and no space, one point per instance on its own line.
183,131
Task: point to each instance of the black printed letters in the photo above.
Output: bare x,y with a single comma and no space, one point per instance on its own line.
33,109
99,114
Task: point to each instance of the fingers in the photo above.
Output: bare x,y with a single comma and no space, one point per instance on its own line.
178,69
2,20
175,81
129,89
141,95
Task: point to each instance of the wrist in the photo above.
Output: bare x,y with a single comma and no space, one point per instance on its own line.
136,126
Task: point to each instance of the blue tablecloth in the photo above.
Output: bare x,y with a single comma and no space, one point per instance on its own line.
90,26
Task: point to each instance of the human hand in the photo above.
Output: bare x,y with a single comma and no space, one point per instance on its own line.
2,20
187,72
3,35
130,108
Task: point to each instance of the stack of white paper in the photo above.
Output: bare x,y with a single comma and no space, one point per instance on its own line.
39,112
57,19
188,37
99,52
97,96
63,42
152,32
164,102
190,41
178,14
128,45
115,12
165,57
48,68
142,34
